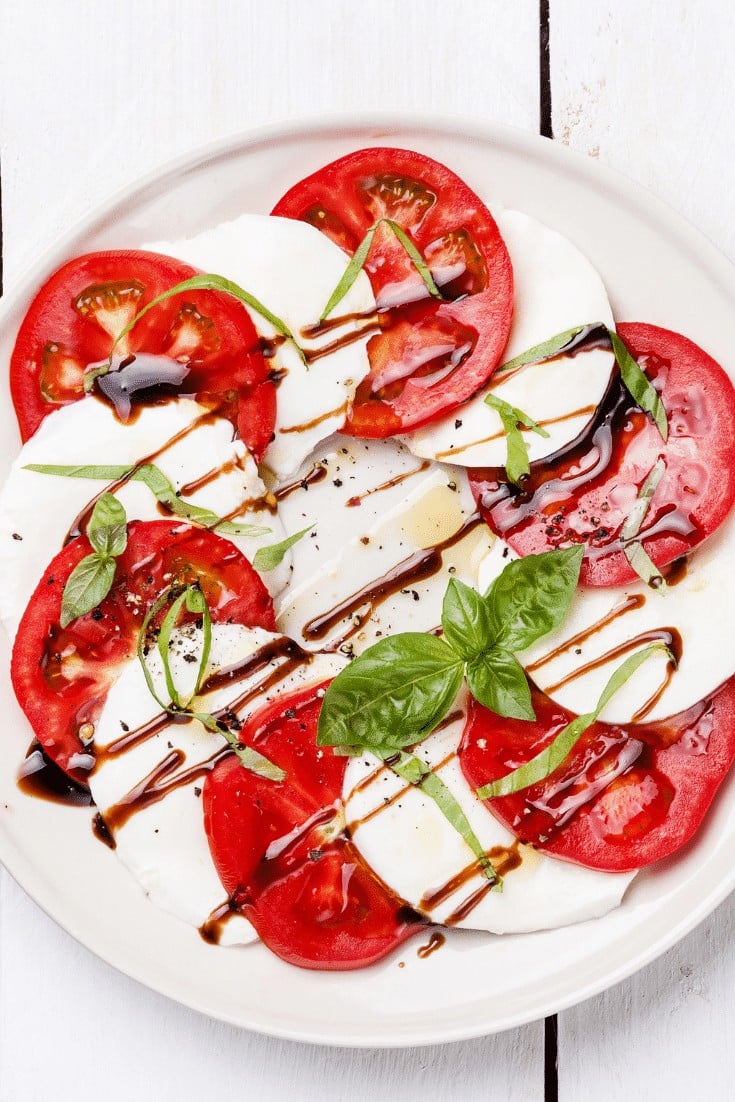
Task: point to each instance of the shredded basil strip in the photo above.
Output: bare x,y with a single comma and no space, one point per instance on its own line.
634,550
195,602
91,579
547,350
517,464
268,558
161,488
416,772
543,764
357,263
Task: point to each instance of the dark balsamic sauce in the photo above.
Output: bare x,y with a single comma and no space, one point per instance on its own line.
39,776
436,940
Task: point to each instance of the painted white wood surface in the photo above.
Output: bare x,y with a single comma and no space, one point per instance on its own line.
92,95
649,89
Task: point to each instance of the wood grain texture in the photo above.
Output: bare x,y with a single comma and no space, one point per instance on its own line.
93,95
648,89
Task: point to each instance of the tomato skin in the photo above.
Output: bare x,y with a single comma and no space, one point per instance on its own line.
61,676
692,499
210,332
447,222
626,796
281,853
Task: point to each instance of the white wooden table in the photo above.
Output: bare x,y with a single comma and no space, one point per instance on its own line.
92,95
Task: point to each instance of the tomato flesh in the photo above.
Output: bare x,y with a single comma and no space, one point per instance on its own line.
626,796
460,241
282,855
584,493
61,676
79,312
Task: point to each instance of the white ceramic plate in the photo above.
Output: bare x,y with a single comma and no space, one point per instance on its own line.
657,269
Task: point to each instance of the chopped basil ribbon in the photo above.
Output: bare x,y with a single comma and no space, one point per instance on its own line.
161,488
192,598
416,772
268,558
544,763
357,263
91,579
204,282
516,464
634,378
634,550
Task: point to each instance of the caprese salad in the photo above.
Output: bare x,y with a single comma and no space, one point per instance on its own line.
365,573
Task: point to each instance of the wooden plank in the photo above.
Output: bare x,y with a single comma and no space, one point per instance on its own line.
91,97
649,90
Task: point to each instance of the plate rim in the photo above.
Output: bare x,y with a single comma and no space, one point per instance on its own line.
334,125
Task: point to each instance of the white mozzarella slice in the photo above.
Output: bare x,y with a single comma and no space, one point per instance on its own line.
574,663
390,573
37,511
409,843
556,288
292,269
163,843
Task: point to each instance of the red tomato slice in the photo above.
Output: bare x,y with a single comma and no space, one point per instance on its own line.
85,305
626,796
61,676
282,855
584,493
429,356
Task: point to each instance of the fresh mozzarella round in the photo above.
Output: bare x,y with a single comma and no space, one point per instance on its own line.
292,269
384,550
157,780
574,663
412,847
38,511
556,288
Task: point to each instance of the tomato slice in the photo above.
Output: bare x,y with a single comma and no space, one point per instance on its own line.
626,796
282,854
61,676
75,317
429,356
584,493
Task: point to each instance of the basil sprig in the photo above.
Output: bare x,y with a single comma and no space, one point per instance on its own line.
635,552
517,464
634,378
268,558
203,282
91,579
161,488
357,263
544,763
191,598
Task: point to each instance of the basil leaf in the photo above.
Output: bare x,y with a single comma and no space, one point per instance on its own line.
532,596
268,558
466,620
547,350
635,553
357,263
516,464
392,695
197,604
549,759
161,488
87,586
644,565
164,642
107,529
498,681
418,773
639,386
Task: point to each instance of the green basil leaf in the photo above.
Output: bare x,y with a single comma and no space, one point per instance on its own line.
107,529
544,763
392,695
498,681
547,350
253,760
635,553
532,596
639,386
517,464
418,773
164,642
197,604
268,558
357,263
87,586
644,565
466,620
102,473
